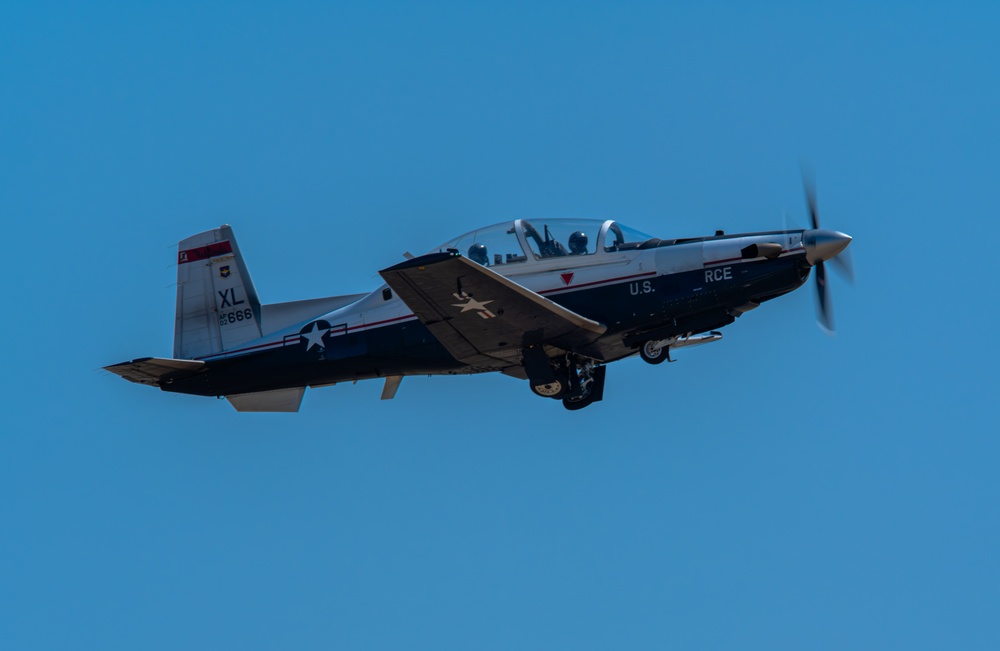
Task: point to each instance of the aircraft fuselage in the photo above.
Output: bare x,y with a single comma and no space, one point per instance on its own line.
658,290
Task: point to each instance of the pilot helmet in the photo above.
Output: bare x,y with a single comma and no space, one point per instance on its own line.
578,243
477,253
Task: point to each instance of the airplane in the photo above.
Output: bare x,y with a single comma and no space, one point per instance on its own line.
548,301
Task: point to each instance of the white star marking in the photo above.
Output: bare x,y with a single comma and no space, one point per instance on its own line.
473,304
315,337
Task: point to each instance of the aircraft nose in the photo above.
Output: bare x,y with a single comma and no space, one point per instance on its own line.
822,244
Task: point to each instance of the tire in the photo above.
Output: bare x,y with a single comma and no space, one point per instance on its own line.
573,404
554,389
652,355
594,391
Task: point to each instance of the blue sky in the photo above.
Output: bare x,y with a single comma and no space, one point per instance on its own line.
777,490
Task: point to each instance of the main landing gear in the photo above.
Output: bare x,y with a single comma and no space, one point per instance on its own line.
577,381
589,387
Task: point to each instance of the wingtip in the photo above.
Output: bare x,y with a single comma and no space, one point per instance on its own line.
422,261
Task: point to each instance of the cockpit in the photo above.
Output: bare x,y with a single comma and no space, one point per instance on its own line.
522,241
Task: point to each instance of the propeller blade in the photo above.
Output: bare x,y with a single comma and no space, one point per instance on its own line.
844,263
825,313
810,187
822,246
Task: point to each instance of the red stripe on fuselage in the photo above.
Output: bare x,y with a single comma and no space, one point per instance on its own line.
243,350
375,324
597,282
378,323
288,338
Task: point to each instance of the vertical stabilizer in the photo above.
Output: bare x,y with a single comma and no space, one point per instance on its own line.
217,305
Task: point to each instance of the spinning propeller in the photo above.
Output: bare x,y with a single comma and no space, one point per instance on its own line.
822,245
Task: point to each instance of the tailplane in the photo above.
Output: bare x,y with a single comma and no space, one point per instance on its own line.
154,371
217,305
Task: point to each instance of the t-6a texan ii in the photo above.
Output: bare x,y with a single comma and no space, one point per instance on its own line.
547,301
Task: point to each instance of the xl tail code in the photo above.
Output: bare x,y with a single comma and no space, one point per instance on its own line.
217,305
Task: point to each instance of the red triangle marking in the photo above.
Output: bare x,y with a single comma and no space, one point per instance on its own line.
567,278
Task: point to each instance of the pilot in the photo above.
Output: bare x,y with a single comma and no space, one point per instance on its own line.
477,253
578,243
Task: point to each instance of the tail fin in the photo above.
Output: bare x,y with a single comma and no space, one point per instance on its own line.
217,305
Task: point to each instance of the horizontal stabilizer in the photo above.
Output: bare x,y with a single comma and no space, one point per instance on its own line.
283,400
154,370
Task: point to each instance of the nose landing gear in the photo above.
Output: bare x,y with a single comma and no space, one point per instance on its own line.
656,351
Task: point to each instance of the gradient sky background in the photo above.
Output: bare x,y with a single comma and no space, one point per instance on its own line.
777,490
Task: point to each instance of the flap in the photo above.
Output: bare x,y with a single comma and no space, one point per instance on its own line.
153,370
479,315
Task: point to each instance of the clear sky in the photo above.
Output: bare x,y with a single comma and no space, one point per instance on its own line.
780,489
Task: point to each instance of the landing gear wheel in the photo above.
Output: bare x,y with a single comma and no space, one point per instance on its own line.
579,402
591,390
652,352
553,389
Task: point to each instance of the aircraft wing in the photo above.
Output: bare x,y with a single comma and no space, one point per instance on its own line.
481,317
